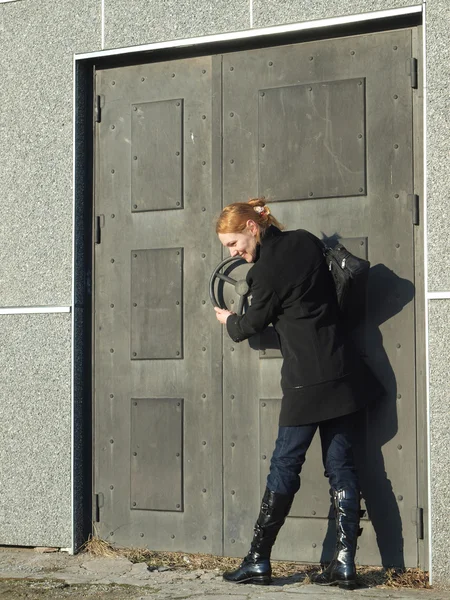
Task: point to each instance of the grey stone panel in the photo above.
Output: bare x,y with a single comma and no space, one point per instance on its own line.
35,430
38,40
134,22
439,343
438,144
267,13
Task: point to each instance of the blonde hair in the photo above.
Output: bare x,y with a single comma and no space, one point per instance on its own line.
234,217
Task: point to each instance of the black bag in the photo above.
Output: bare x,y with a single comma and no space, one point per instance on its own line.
350,275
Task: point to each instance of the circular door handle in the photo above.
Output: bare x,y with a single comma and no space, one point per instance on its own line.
241,286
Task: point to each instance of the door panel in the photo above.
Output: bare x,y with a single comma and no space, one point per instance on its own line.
324,130
158,373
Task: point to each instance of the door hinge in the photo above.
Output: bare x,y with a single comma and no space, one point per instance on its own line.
413,200
413,72
99,224
99,104
98,504
419,523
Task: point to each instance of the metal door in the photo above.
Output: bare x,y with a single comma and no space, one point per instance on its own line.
157,351
324,131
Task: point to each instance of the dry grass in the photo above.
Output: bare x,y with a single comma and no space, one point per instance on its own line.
367,576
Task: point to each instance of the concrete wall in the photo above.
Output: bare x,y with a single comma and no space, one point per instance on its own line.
37,42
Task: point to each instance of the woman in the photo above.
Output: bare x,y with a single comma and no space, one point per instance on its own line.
292,288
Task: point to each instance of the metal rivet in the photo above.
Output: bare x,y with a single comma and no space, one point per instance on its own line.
310,89
262,94
111,533
314,545
311,193
397,245
263,404
177,153
135,403
134,205
112,260
177,505
203,349
111,350
141,534
178,403
232,301
111,441
203,537
203,395
231,114
112,216
203,162
394,47
264,457
142,78
203,209
203,255
178,103
204,490
134,354
396,146
111,305
352,52
232,161
232,396
177,203
113,126
177,353
311,58
113,170
396,196
111,487
395,97
203,71
203,117
134,453
361,243
360,82
361,189
177,303
203,301
399,345
113,83
359,135
134,304
134,503
135,108
173,74
172,536
399,396
233,492
313,512
263,145
178,253
134,157
203,443
400,497
232,444
232,541
231,349
399,446
231,68
111,395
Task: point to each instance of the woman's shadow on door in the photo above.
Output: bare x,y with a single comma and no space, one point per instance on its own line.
387,295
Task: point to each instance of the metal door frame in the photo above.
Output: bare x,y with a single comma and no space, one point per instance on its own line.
83,117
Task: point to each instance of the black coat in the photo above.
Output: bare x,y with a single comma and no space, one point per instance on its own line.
291,288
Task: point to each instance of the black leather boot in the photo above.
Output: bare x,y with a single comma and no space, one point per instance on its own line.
255,568
341,571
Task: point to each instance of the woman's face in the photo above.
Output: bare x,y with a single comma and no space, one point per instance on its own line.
241,244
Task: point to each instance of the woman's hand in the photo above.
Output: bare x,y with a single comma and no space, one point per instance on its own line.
222,315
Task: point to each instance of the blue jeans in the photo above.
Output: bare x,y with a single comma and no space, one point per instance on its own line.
337,438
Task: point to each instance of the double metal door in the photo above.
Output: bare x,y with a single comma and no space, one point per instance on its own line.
185,420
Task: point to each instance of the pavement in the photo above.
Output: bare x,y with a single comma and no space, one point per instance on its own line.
27,573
